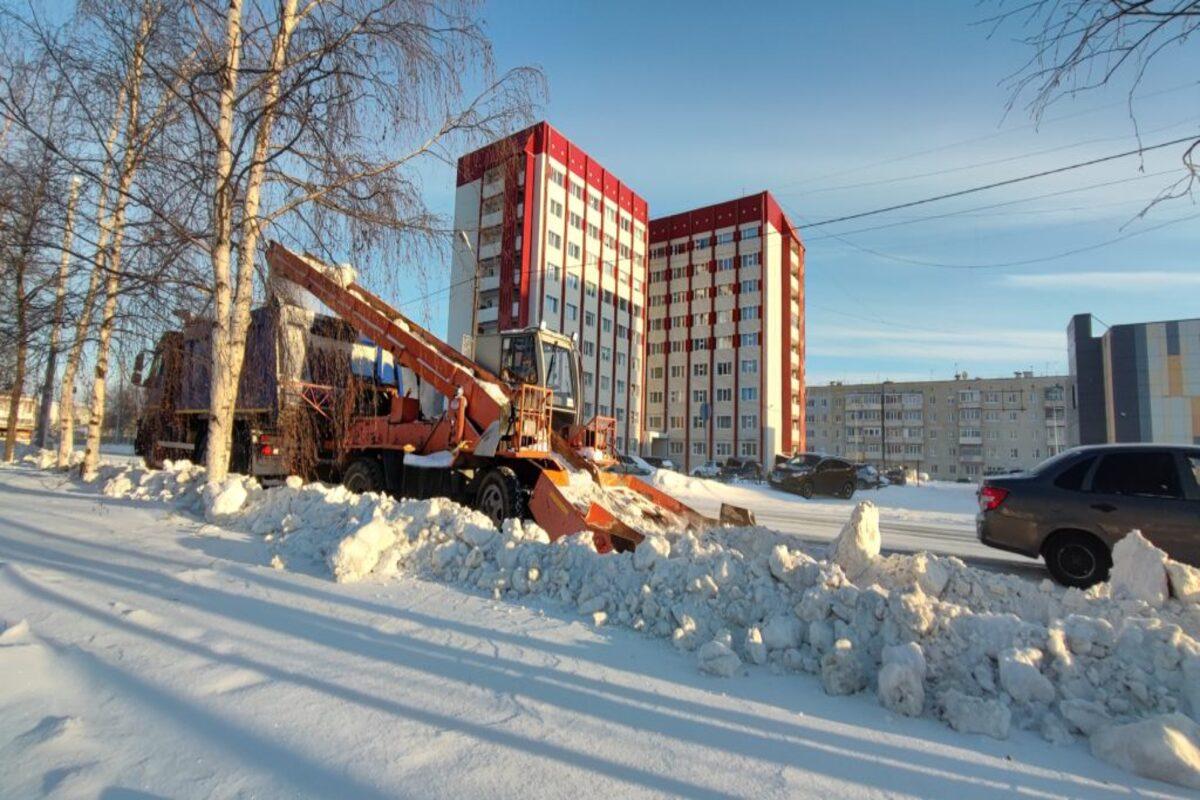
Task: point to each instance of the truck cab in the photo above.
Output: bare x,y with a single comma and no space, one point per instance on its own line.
537,356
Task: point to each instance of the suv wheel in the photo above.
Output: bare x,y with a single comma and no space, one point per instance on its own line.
805,490
1075,558
847,491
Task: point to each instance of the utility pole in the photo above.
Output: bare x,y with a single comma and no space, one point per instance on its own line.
882,424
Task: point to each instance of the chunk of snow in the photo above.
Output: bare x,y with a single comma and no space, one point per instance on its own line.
650,551
976,714
1184,581
717,658
1139,570
227,500
857,546
1166,748
1021,676
842,669
901,686
442,459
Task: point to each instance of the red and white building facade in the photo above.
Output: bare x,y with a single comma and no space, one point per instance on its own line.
557,240
725,345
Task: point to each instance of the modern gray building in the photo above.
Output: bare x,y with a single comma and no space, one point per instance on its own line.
952,429
1137,382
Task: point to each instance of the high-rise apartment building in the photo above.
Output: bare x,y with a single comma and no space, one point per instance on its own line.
546,235
961,428
725,340
1138,382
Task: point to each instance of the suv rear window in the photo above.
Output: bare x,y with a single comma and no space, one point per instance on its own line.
1149,474
1072,477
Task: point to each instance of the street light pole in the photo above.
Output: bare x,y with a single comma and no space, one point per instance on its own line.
474,291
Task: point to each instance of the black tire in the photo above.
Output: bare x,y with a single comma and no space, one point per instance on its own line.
363,475
805,490
500,495
1076,558
847,490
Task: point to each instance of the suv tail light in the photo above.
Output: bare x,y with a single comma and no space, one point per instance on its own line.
990,497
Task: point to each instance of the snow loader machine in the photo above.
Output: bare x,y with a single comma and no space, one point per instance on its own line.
370,399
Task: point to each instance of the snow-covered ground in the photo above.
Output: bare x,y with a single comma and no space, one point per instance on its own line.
156,654
938,517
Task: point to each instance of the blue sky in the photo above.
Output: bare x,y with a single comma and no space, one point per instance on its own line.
839,108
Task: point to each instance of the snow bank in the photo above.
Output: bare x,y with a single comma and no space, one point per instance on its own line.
931,636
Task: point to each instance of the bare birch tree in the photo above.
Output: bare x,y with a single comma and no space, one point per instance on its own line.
1082,45
45,407
316,111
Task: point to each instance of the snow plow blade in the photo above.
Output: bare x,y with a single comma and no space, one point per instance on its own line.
736,516
559,517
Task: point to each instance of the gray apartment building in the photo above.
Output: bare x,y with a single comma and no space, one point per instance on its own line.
961,428
1138,382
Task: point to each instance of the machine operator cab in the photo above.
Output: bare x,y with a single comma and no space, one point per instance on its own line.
537,356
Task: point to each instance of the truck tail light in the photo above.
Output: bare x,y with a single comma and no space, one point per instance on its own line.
990,497
265,446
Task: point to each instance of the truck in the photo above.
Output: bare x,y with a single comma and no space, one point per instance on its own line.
366,397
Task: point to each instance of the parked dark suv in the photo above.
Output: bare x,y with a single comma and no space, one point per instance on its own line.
1073,508
807,474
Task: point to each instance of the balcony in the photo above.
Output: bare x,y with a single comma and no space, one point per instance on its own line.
489,314
493,188
492,218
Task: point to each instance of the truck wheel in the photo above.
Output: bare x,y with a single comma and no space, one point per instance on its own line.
1075,558
500,495
363,475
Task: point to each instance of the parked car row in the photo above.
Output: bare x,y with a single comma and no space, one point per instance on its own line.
732,468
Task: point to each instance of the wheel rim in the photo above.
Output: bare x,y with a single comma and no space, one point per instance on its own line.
847,490
1076,561
357,484
491,502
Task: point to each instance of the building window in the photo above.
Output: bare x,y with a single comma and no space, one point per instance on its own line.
556,208
724,367
699,370
749,366
556,177
724,422
724,448
698,449
750,312
750,449
751,259
748,340
699,396
552,304
749,421
572,312
749,393
725,395
750,233
724,238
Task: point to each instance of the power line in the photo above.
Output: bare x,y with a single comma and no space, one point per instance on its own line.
1022,263
1006,182
988,137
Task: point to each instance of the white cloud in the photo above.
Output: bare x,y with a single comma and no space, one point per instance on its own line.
966,349
1131,280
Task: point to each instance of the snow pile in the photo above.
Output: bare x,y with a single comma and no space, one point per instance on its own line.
929,635
1139,570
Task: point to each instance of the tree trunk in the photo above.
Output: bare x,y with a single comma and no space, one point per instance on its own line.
66,400
60,301
222,392
112,280
18,378
225,386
